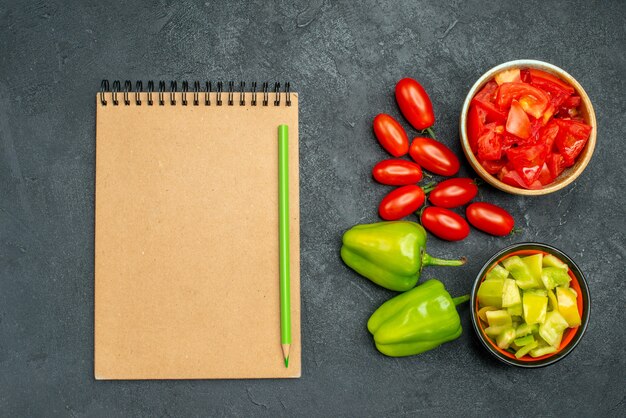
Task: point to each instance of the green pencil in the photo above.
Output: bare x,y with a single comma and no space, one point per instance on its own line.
283,219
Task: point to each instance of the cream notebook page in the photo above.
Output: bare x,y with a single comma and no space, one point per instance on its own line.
186,239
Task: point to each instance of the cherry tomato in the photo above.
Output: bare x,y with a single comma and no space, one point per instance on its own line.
397,172
434,156
490,218
453,192
414,103
517,123
444,223
391,135
533,100
401,202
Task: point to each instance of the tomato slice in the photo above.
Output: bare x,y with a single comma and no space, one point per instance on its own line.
528,161
572,102
549,82
533,100
489,143
476,117
493,166
493,114
512,178
545,176
525,75
571,139
547,135
512,75
488,93
556,164
517,123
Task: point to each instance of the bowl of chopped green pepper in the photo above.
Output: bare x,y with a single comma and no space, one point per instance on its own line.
530,305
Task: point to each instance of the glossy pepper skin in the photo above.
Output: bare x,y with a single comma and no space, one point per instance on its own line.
391,254
416,321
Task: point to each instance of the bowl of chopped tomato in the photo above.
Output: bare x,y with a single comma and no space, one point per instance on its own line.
528,127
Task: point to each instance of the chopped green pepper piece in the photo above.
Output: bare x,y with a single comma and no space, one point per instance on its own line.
542,351
535,307
553,304
526,349
493,332
568,306
533,262
515,310
551,261
482,312
520,272
554,276
490,293
552,329
505,338
510,293
524,340
497,318
525,329
497,272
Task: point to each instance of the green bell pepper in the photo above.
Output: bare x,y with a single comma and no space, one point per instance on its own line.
416,321
391,254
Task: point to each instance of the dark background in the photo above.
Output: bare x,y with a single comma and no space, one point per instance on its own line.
343,58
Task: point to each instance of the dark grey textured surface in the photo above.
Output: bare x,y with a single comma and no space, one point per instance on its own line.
344,60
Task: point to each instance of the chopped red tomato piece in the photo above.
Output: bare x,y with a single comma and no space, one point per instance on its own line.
508,76
571,103
547,135
488,93
493,166
517,123
549,82
528,161
525,75
571,139
476,117
512,178
533,100
490,143
556,164
545,176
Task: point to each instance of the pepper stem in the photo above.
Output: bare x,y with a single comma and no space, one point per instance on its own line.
428,260
431,133
460,299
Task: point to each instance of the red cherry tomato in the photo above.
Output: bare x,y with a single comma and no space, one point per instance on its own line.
414,103
401,202
434,156
490,218
453,192
391,135
397,172
444,224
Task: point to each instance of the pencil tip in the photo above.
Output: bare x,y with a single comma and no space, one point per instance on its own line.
286,361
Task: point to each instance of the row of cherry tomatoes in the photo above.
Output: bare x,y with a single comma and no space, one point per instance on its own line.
426,152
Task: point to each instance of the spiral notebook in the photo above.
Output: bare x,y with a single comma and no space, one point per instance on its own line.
186,231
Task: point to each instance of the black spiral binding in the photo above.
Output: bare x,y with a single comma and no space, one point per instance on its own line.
197,90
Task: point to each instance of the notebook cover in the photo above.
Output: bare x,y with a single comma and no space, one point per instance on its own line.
186,240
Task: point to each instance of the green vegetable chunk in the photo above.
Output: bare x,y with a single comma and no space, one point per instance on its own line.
533,262
510,293
552,329
551,261
499,318
490,293
526,349
521,273
542,351
497,272
554,276
526,329
515,310
535,307
505,338
520,342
